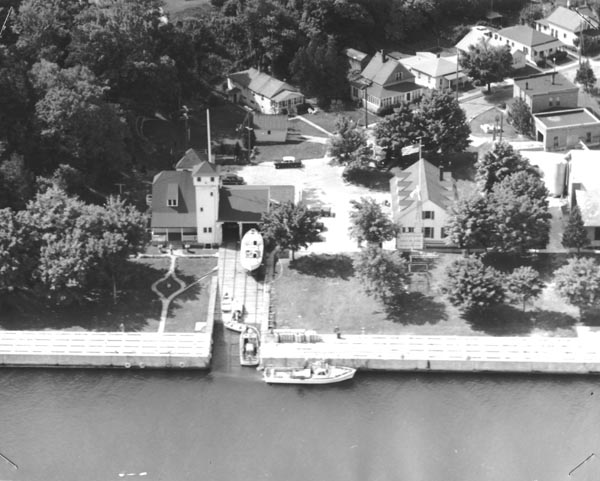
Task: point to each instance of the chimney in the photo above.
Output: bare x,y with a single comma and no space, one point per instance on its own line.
383,55
441,174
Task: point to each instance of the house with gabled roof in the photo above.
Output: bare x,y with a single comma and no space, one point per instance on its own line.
383,83
435,72
583,186
421,198
546,91
568,24
190,205
262,92
535,45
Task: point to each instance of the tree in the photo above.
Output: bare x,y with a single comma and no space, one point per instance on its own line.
575,235
383,274
16,183
396,131
346,139
519,213
499,163
443,123
520,117
472,286
289,226
15,263
321,70
487,63
469,225
585,76
524,284
578,282
369,223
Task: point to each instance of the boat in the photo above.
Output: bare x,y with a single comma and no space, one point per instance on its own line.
235,320
252,247
249,344
316,373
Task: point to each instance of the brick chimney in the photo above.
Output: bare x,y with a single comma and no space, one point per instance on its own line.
383,55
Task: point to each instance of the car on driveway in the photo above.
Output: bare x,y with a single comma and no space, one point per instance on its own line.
288,162
232,179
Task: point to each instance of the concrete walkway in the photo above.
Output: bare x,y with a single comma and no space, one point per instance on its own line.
166,301
445,353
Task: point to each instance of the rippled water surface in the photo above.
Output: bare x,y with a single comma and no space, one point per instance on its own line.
88,425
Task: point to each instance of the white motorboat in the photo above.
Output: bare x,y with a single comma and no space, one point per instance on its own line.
316,373
249,345
235,320
251,250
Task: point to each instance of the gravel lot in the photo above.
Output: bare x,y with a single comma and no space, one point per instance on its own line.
322,183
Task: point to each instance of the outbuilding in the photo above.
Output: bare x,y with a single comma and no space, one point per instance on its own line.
565,129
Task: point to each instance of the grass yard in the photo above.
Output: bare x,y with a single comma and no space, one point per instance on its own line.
191,306
300,149
321,292
327,120
138,307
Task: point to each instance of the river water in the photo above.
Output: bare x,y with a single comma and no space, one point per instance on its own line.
227,425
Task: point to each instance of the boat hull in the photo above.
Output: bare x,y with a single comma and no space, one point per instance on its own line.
251,250
249,336
284,375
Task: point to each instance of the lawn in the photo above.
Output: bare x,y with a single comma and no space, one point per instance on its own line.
191,306
327,120
321,292
301,149
138,308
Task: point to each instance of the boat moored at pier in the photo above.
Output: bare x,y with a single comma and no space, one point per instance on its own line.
249,346
316,373
251,251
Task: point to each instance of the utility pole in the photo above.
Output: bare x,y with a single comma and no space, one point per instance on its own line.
10,11
457,57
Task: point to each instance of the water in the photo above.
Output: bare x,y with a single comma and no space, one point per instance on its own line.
227,425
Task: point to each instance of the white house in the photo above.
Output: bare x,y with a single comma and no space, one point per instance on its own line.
261,92
584,189
485,34
434,72
421,196
533,44
567,24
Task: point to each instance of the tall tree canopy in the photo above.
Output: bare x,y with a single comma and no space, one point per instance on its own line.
369,223
487,63
499,163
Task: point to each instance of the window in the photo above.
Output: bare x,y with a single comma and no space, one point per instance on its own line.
588,137
556,142
550,100
495,37
428,232
268,132
596,233
204,230
428,214
408,230
525,50
212,179
443,232
408,97
564,35
172,202
201,209
198,179
210,229
398,75
212,194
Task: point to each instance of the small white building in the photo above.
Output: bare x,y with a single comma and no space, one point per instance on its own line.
421,196
535,45
435,72
261,92
567,24
566,129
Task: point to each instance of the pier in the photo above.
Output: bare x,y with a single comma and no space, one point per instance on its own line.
576,355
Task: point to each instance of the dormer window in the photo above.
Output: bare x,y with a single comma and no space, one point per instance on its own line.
198,179
172,195
398,75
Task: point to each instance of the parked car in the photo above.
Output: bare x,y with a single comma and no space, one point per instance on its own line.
232,179
288,162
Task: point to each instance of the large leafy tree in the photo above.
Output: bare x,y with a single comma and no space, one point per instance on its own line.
346,139
585,76
472,286
369,223
469,222
321,70
16,183
443,123
383,274
575,236
76,124
290,226
397,130
519,214
524,284
15,261
578,281
499,163
487,63
520,117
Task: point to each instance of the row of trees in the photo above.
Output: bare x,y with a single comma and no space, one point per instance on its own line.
64,251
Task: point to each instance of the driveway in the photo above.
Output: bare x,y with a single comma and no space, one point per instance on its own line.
322,183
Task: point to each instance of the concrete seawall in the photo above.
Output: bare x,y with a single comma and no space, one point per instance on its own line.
444,353
111,349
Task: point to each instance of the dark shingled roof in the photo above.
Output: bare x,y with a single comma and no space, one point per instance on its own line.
247,203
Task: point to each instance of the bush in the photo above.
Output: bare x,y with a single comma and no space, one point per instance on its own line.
541,63
302,109
560,55
502,105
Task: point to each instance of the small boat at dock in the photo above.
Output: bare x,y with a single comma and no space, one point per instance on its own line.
249,345
234,321
316,373
251,250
